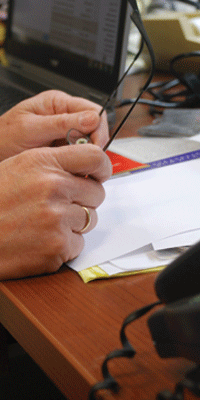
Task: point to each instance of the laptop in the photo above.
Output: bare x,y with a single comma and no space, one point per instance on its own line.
78,46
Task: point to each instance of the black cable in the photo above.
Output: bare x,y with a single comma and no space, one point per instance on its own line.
164,87
191,3
191,93
122,78
135,17
177,58
172,4
188,94
191,382
127,351
155,103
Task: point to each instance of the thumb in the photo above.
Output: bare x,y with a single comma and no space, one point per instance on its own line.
84,159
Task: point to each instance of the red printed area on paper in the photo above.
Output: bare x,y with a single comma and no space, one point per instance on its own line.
122,164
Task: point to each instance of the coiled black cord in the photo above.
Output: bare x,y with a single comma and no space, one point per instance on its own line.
127,351
191,382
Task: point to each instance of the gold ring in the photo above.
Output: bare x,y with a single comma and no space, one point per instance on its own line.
88,219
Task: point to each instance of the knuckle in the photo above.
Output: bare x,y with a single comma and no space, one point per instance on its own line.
24,160
61,122
51,187
55,187
49,216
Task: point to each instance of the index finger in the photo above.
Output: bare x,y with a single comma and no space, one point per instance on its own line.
101,135
54,102
77,104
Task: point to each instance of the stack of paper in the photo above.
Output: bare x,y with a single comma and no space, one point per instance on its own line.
146,220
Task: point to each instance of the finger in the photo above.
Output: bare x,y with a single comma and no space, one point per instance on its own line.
77,190
77,104
86,159
74,246
57,102
49,102
52,127
69,112
79,218
53,113
101,135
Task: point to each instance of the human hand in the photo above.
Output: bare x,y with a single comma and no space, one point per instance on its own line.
41,215
47,117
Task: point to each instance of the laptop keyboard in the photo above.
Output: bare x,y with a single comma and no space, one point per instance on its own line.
10,96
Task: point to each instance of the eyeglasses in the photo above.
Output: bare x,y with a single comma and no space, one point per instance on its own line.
77,137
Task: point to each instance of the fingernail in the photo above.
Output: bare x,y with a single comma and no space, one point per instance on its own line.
88,118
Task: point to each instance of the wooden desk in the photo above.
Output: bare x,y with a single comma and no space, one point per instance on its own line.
68,327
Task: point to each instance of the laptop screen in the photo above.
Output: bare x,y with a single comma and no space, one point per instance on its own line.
82,40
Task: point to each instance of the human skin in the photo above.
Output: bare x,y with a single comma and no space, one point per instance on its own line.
43,189
47,117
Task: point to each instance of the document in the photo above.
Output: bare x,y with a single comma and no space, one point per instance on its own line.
180,240
141,259
142,209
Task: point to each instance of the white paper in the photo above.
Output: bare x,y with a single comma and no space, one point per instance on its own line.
145,258
183,239
149,149
195,138
143,208
103,243
110,268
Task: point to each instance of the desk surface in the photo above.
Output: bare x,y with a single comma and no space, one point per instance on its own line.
68,327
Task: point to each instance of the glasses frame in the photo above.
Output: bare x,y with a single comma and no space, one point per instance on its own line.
136,19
